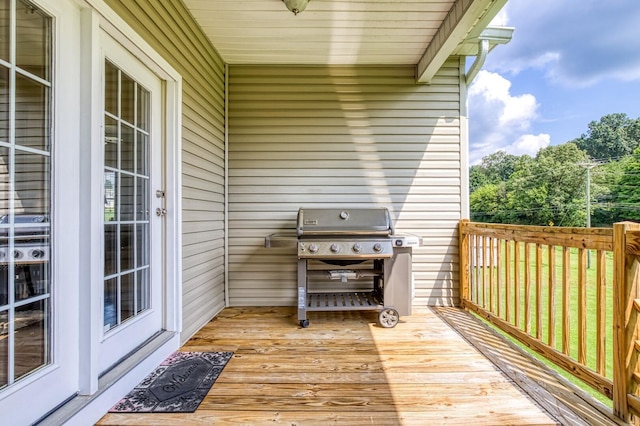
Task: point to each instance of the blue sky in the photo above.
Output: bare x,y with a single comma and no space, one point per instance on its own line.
569,63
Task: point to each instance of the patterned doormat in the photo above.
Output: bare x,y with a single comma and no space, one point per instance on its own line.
178,385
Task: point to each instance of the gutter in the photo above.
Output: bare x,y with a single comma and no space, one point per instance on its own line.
483,50
489,38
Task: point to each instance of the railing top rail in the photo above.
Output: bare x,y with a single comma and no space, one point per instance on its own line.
587,238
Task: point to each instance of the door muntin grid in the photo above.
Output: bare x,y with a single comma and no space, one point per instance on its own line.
25,190
126,189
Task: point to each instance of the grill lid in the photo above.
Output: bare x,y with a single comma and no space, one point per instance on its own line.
344,222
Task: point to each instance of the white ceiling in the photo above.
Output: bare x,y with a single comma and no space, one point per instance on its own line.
342,32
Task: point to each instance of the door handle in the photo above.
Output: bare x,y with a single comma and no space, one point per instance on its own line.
160,212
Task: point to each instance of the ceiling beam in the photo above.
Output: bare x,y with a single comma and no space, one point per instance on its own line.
463,17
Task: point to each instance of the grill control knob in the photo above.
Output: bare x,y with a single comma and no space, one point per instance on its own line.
357,248
334,248
377,247
37,254
313,248
17,254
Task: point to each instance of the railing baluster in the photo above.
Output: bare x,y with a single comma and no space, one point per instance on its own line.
601,312
498,275
566,300
539,291
507,280
477,250
552,297
491,280
582,306
527,288
516,283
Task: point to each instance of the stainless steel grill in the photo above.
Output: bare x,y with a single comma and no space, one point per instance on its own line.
351,259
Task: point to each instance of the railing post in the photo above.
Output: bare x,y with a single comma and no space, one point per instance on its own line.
625,322
464,254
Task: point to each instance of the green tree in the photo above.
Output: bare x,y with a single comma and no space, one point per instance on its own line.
549,188
493,169
485,203
626,194
614,136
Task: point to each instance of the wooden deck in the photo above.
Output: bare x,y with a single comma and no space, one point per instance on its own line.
346,370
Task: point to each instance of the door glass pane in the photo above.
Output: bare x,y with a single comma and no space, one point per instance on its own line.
110,142
128,296
4,266
32,114
126,198
127,150
33,33
126,247
110,249
31,279
32,186
142,116
144,295
142,199
5,28
5,182
142,154
4,103
25,192
110,193
127,96
142,254
4,348
111,88
110,303
31,337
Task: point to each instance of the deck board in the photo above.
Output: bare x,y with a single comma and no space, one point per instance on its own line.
346,370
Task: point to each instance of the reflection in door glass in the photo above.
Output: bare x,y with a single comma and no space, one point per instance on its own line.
4,348
32,127
5,30
126,198
4,102
33,34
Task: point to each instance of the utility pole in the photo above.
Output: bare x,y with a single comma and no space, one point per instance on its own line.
588,165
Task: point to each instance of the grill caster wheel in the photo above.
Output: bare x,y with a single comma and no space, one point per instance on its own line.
304,323
388,317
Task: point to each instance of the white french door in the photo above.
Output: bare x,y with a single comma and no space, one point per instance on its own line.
133,197
38,213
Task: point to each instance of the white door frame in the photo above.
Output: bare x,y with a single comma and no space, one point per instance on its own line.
99,17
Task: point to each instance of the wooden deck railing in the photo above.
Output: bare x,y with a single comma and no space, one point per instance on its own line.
570,294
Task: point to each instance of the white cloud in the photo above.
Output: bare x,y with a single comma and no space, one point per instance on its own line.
500,120
529,144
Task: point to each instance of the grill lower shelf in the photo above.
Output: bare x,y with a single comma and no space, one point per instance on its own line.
343,301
